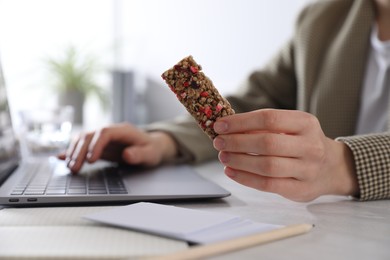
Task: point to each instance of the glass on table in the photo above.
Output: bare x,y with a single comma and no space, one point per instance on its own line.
46,131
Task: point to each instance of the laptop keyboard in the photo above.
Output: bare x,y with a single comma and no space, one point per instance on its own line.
41,180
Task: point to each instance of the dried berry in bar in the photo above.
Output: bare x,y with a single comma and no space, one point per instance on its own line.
197,93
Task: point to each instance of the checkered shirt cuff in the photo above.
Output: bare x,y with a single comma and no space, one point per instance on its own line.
372,162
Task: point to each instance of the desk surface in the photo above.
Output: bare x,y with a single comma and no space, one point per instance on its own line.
344,229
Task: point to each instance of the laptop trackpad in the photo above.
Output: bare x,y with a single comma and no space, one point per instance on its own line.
169,180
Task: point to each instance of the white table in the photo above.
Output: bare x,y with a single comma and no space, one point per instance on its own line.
344,228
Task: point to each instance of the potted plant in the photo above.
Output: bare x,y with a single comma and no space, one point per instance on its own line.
74,78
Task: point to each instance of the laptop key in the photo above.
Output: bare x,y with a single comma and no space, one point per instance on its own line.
34,192
77,191
118,191
17,192
97,191
55,191
20,187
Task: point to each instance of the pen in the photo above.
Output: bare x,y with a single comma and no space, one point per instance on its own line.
223,247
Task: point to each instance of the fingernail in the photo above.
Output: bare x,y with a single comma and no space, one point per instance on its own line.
230,173
219,143
67,160
224,157
220,127
89,155
71,163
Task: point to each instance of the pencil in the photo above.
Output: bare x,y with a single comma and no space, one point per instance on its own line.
223,247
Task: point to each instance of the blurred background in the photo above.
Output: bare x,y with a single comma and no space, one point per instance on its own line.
105,57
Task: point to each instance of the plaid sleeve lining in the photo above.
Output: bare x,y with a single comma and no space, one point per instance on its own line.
372,162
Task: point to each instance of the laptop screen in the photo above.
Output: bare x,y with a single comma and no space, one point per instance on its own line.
9,146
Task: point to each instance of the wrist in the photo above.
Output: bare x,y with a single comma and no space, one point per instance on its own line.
346,179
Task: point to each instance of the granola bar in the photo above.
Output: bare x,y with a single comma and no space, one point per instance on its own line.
197,93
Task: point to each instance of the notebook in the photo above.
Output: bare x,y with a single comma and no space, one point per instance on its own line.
48,181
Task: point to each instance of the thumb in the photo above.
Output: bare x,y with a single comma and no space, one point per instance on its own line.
138,154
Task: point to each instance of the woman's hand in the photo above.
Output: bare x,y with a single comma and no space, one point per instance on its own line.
284,152
120,143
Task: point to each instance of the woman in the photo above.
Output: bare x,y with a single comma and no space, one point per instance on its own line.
312,122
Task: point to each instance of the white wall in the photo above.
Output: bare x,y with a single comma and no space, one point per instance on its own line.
228,37
30,31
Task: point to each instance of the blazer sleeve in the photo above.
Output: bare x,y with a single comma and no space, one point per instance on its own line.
271,87
193,144
372,164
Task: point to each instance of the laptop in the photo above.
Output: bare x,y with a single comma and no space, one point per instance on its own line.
47,181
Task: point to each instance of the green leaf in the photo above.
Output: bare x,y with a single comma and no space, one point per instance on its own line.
74,71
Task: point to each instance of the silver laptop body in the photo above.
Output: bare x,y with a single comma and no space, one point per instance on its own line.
47,181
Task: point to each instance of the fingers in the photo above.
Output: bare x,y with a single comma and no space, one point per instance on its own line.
159,147
287,187
72,146
109,143
90,146
61,156
279,151
269,166
77,152
140,155
122,133
271,120
259,143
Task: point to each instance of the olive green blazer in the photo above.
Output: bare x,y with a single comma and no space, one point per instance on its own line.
320,71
